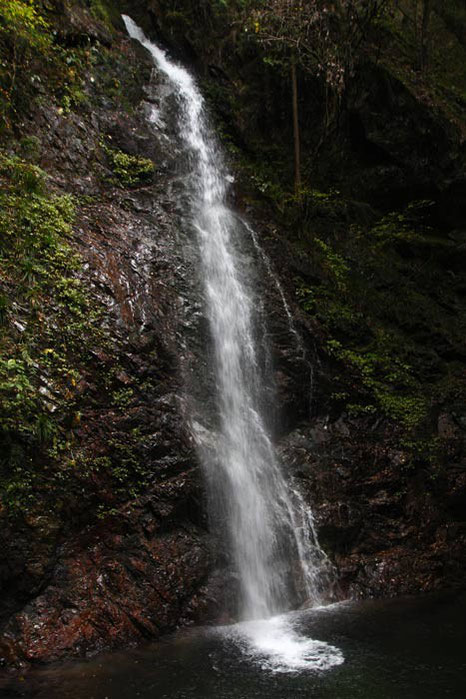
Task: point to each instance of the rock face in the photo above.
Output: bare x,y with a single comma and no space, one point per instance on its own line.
392,529
132,578
110,567
124,553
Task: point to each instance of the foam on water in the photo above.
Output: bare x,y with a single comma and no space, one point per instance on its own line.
275,645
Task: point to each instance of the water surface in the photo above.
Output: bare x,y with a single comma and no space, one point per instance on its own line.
395,649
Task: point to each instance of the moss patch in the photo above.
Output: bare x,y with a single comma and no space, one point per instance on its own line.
48,325
392,316
129,170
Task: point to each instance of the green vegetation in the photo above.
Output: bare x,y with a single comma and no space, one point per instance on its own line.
384,289
37,59
25,37
378,309
50,330
32,60
46,312
129,170
380,287
103,12
422,44
56,364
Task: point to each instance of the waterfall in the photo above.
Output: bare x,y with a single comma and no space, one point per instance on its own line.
297,337
269,529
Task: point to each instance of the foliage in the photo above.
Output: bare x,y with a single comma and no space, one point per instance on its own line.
321,37
376,308
421,42
388,381
129,170
36,59
55,358
101,11
21,22
24,35
46,313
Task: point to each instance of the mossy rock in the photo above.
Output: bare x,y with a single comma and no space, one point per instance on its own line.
129,170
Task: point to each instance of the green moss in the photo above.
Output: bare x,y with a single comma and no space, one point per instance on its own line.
122,397
389,383
30,148
129,170
102,11
47,313
56,363
35,61
387,320
25,38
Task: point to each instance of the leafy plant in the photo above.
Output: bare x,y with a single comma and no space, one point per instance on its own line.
45,315
24,34
371,301
129,170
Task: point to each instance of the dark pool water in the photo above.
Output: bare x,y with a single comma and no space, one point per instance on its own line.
396,649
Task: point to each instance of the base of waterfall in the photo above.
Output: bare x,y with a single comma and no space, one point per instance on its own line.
409,647
276,645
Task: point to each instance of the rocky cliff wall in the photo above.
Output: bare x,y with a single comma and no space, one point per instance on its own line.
105,540
370,256
112,545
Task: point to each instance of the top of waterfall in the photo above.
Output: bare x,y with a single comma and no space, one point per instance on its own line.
179,74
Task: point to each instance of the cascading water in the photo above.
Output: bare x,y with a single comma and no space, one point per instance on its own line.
270,530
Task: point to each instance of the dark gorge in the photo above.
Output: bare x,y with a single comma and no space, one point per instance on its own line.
194,435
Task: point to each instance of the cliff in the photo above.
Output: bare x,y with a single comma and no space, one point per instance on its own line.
104,536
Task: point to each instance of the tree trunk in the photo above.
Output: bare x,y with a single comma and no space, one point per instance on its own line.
425,34
297,147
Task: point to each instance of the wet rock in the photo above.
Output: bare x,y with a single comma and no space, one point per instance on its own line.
73,584
114,585
106,567
368,507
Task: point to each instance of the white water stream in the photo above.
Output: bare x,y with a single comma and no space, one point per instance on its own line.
270,530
